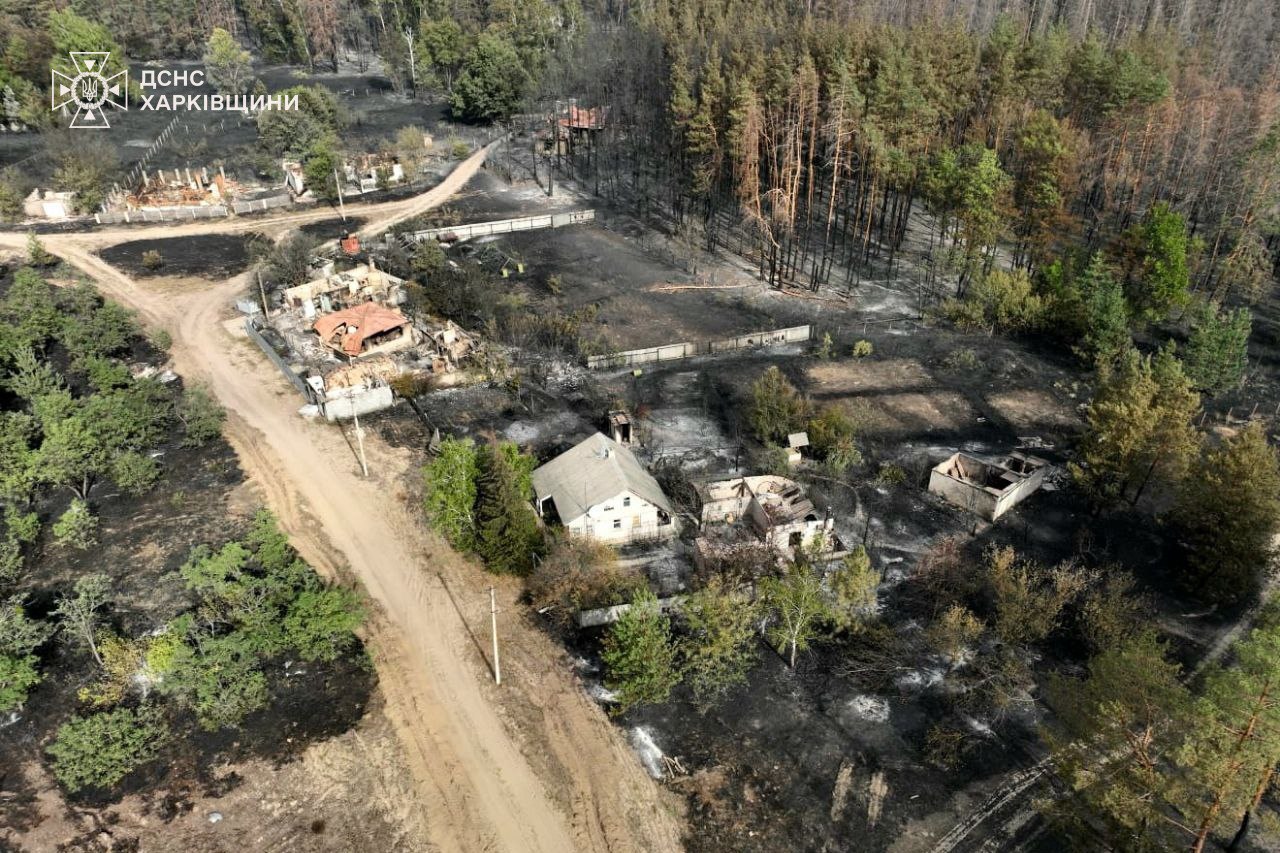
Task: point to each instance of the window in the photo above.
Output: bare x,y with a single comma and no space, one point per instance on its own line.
617,524
626,501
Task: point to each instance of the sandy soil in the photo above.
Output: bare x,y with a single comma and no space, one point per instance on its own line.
532,766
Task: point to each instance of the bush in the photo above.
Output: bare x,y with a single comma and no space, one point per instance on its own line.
953,631
862,349
22,527
998,301
77,527
961,359
135,473
101,750
945,746
201,415
777,409
321,623
579,574
890,475
410,385
161,340
831,435
37,254
459,150
152,260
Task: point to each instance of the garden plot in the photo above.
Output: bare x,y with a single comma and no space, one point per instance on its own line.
1033,412
893,397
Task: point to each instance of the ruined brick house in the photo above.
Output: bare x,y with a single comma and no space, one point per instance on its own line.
331,291
764,509
988,489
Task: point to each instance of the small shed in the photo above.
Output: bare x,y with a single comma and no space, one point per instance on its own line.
796,442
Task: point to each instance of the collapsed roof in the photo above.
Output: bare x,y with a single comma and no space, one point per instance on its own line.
357,324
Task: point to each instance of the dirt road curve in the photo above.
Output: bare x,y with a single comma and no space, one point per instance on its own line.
574,786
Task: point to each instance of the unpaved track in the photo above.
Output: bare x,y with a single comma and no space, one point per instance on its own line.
479,790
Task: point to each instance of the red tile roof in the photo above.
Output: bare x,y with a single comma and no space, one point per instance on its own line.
584,119
358,323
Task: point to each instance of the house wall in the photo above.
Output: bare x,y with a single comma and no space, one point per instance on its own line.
1019,493
351,402
965,495
404,340
637,521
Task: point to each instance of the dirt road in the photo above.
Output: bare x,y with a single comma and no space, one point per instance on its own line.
463,737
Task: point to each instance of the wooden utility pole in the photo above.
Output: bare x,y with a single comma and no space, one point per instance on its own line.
359,439
262,291
493,623
337,184
555,152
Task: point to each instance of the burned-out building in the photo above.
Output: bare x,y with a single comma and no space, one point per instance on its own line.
48,204
599,489
332,291
365,329
764,509
988,489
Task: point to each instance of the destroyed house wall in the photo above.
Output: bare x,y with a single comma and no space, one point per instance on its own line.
987,489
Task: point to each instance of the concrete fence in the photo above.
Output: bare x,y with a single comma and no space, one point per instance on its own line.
261,204
162,214
501,226
673,352
251,327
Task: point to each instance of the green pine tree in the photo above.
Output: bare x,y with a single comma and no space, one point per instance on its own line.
507,532
639,654
1218,348
1226,515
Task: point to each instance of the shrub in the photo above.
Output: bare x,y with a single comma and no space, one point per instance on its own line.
961,359
77,527
201,415
945,746
161,340
135,473
862,349
831,434
100,750
953,631
37,254
321,623
152,260
776,407
22,527
579,574
998,301
459,150
410,385
890,475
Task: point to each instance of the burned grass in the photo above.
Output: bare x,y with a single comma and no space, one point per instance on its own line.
211,256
